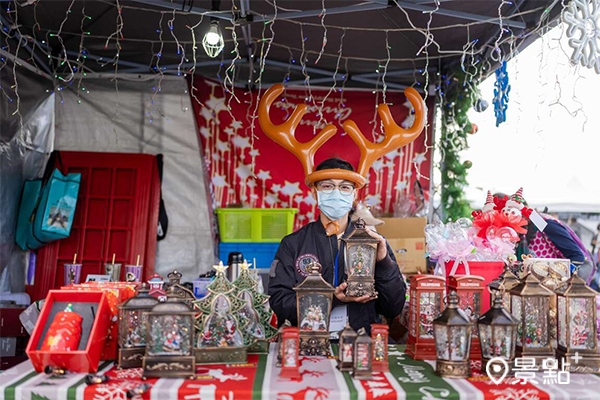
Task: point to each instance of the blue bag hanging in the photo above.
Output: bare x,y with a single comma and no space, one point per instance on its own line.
32,190
56,211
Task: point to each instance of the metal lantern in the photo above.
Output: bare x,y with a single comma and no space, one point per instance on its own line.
379,337
497,334
132,328
313,301
531,307
503,284
452,332
469,289
577,329
186,294
360,256
363,353
425,304
290,364
346,348
170,340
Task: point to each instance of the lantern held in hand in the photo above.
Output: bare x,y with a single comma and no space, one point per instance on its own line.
360,256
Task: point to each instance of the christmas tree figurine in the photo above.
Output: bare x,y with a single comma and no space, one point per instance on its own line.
255,315
220,337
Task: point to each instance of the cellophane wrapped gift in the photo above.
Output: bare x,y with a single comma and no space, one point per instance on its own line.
117,293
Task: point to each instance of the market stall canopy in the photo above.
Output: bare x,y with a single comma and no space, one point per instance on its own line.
379,43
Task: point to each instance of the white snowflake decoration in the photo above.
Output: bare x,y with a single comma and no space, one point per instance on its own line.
583,20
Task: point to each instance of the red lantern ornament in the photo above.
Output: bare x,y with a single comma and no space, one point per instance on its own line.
469,289
64,333
290,345
379,338
426,304
474,129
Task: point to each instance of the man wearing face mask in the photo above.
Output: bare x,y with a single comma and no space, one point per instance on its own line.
319,241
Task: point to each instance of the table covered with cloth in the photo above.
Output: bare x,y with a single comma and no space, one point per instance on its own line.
259,379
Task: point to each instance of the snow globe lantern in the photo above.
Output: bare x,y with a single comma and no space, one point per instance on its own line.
132,328
469,289
497,334
363,356
346,348
286,324
530,306
313,301
379,337
170,340
577,329
186,294
290,364
425,304
502,285
360,256
452,332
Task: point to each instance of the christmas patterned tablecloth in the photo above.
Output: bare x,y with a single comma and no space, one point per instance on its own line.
258,379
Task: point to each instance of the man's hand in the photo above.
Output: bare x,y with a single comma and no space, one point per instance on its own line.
341,296
381,245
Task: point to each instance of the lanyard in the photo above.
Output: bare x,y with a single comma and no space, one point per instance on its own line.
335,269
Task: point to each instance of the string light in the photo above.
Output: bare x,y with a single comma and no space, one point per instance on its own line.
324,43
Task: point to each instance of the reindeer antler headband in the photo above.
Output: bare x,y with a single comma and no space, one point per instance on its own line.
395,137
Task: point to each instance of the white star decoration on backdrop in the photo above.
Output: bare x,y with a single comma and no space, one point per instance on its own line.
408,121
419,158
373,199
241,142
309,200
275,188
392,155
408,105
271,199
251,183
254,153
222,146
408,174
217,104
235,124
219,181
263,175
291,189
229,131
204,131
243,171
377,165
401,185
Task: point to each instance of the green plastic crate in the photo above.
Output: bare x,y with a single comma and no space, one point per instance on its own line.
255,224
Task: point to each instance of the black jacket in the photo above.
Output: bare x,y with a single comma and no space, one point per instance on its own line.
311,243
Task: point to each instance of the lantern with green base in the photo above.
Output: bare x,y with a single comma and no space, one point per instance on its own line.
255,315
220,336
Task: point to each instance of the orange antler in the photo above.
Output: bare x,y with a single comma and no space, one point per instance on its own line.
395,136
284,134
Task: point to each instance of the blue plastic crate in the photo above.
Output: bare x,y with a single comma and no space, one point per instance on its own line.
264,253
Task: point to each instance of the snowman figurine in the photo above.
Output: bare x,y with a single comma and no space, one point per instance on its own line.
513,208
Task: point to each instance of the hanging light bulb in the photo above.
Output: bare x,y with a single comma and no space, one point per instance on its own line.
213,42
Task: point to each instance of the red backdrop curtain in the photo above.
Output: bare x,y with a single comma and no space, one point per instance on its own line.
247,168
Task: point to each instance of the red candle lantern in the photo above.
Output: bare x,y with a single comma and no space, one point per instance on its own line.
64,333
469,289
379,337
426,304
290,362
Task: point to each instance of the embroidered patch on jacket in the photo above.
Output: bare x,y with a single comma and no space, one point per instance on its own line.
303,261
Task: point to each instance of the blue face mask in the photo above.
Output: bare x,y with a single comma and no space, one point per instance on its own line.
334,205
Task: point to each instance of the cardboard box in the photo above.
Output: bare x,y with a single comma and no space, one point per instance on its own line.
407,238
93,307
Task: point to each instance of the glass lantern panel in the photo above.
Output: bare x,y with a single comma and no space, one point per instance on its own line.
470,303
580,323
290,353
170,335
429,309
412,301
361,260
505,301
498,343
314,313
249,318
535,310
220,328
379,348
562,321
459,350
346,351
133,326
517,313
363,352
442,342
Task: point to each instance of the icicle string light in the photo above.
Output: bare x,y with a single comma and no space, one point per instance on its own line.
322,121
324,43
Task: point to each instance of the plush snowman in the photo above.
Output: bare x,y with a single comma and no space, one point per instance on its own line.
513,208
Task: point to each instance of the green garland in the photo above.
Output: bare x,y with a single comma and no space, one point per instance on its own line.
459,93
